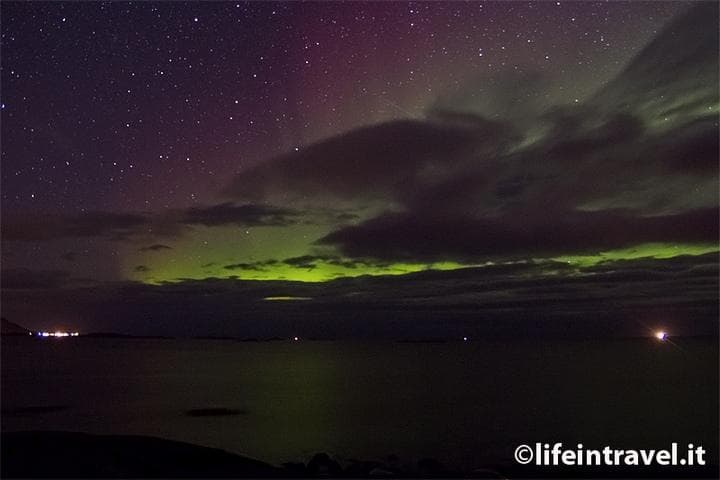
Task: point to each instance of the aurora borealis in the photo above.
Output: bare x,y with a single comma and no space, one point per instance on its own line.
535,162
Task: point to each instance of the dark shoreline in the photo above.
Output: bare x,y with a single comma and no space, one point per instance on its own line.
53,454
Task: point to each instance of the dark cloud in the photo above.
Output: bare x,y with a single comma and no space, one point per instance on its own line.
124,226
244,266
304,261
155,247
308,262
88,224
23,278
69,256
247,215
691,149
312,261
252,266
395,158
442,237
636,162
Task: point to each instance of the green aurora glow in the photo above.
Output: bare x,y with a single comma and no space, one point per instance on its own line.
259,254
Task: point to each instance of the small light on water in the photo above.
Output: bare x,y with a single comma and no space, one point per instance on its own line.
661,335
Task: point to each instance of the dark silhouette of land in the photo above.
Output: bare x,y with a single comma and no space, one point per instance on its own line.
8,328
80,455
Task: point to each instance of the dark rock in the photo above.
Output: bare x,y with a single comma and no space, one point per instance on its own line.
295,469
357,468
486,473
80,455
321,465
429,467
379,472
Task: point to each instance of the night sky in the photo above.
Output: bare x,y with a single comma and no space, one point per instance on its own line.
418,169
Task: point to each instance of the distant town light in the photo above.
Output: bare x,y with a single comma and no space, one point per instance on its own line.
296,339
465,339
661,335
57,334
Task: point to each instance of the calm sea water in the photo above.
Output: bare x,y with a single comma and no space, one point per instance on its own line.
466,404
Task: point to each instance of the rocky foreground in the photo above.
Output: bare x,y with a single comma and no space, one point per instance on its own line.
80,455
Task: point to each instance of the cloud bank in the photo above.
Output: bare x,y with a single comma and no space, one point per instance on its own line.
526,298
634,163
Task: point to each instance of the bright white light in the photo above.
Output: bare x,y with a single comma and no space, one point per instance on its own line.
464,339
57,334
661,335
296,338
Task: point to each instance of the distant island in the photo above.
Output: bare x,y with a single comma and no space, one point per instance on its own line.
123,335
11,329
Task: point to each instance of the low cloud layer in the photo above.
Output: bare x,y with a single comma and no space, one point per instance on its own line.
155,248
247,215
445,237
625,297
89,224
123,226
